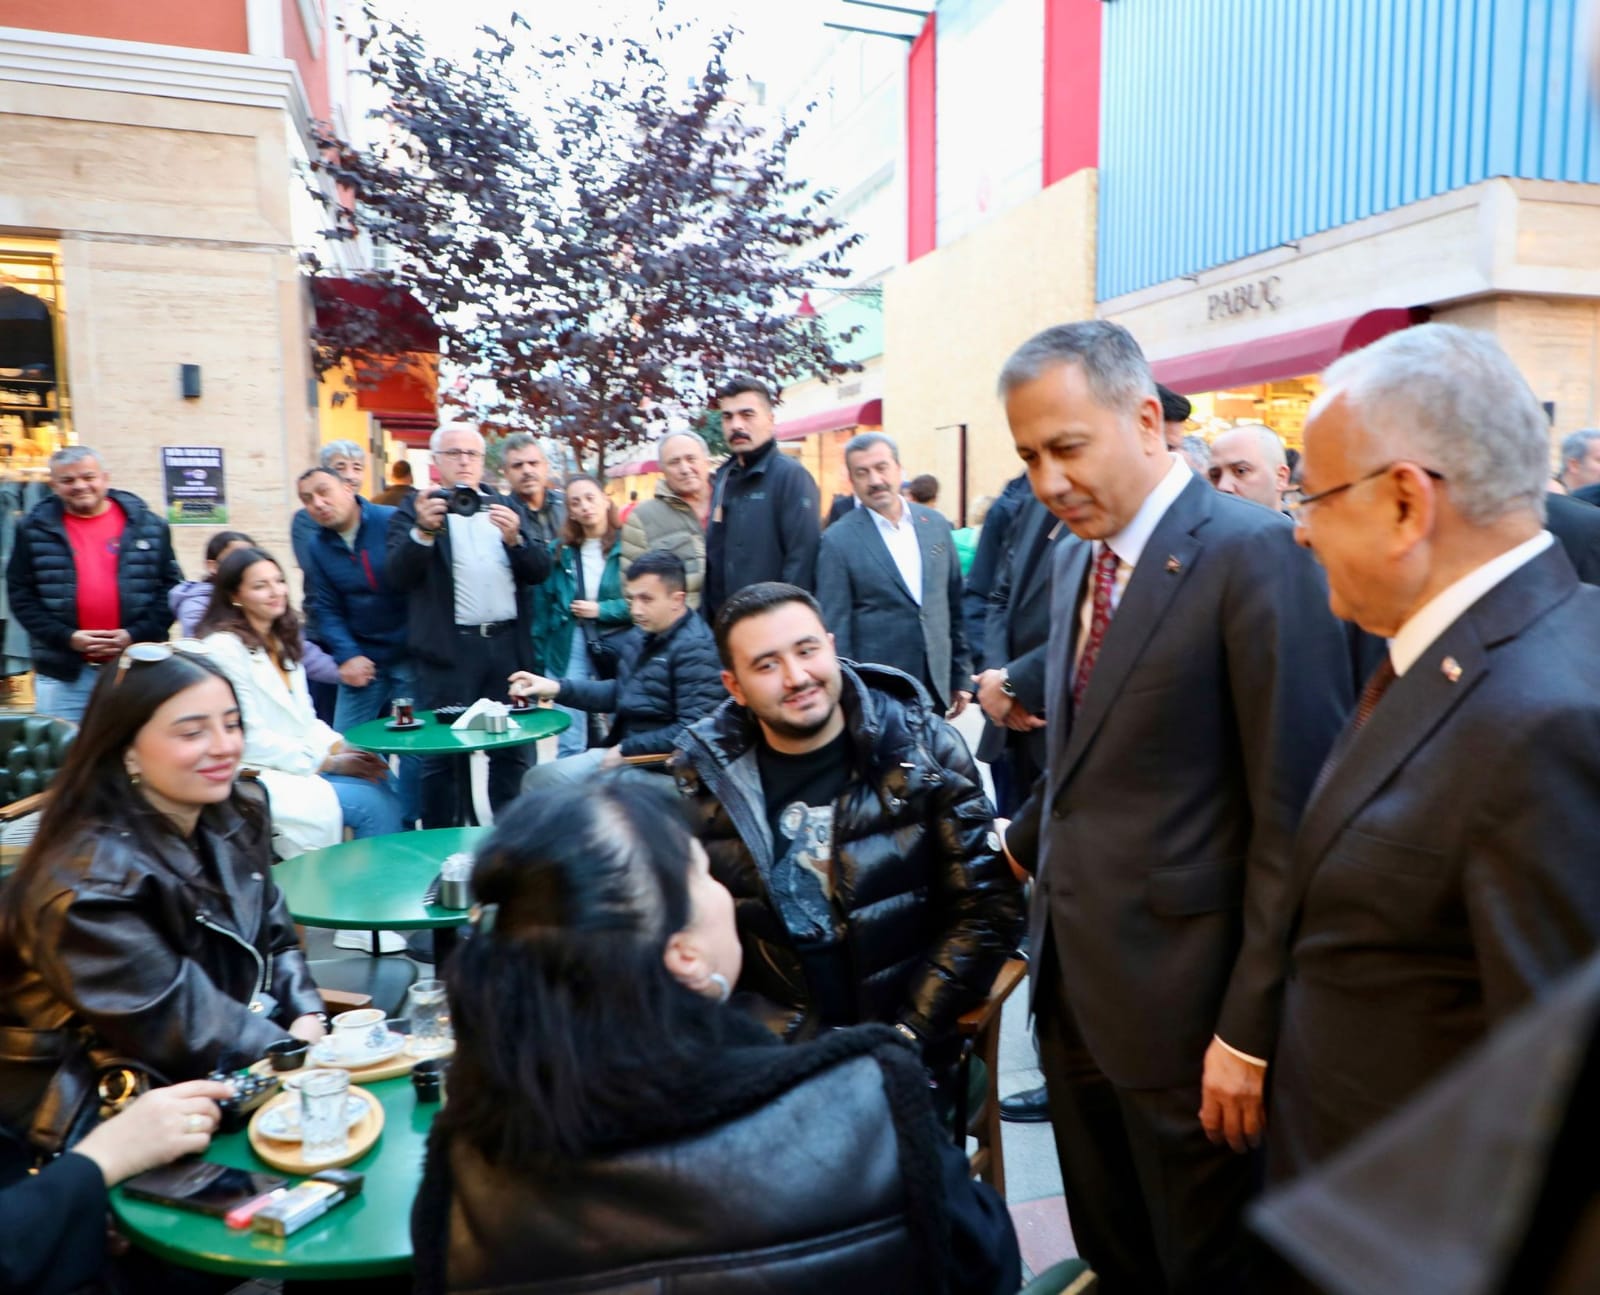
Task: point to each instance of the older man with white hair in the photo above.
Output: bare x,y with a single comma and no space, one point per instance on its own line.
466,559
1443,872
676,519
1249,461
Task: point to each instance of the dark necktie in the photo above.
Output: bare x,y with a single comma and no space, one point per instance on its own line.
1377,685
1105,580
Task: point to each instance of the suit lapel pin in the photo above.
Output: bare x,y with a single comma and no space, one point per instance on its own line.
1173,565
1451,669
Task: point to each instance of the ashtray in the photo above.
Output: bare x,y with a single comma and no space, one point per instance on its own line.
448,714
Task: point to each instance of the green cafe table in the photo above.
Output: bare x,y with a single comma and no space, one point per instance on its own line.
435,739
369,1236
377,883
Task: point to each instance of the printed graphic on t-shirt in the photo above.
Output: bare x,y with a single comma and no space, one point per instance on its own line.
810,832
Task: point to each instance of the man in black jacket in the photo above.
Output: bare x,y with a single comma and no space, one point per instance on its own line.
89,574
468,578
667,676
764,506
849,822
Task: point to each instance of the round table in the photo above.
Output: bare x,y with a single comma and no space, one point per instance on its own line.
436,739
369,1236
377,883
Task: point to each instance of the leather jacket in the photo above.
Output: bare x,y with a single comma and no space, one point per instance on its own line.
929,906
179,954
776,1170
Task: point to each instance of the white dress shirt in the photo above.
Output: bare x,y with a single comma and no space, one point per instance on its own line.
903,547
1128,544
486,594
1445,608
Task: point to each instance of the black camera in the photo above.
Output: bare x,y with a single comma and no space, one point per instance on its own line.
464,500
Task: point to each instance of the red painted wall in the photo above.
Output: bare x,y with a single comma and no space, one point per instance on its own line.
1071,87
195,24
922,223
313,71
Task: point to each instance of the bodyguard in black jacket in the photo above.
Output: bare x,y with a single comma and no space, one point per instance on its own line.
42,580
765,508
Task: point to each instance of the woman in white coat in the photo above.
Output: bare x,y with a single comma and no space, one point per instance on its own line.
317,787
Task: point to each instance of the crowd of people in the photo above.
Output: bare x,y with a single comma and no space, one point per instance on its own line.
1292,761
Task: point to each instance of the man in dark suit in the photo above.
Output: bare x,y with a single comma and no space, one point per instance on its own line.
469,608
1194,685
889,580
1443,873
1576,526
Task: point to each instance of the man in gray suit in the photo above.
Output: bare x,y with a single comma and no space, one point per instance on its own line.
1444,871
889,580
1194,685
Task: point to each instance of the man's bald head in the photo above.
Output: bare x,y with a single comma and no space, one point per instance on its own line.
1249,462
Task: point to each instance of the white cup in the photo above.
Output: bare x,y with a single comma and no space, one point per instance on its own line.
357,1034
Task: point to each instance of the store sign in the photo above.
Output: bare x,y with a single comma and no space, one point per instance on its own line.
193,481
1245,299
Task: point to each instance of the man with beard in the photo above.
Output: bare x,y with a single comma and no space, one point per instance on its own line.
889,580
765,514
849,823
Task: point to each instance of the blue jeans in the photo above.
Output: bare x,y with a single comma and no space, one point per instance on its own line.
358,705
67,700
575,740
369,808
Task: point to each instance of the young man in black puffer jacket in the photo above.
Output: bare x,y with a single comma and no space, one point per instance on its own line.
667,676
848,820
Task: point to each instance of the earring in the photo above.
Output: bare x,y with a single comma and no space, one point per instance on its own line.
133,777
724,989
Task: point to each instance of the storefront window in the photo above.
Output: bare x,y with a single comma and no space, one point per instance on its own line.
1281,405
35,412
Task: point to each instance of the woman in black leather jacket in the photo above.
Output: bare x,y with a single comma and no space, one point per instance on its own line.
143,922
610,1125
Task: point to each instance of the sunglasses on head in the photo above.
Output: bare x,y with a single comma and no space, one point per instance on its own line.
150,653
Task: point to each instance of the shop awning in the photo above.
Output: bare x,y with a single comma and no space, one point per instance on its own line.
632,468
1288,355
868,413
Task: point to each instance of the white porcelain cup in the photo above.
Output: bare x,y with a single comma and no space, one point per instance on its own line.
358,1033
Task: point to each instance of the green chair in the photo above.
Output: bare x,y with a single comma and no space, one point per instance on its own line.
34,748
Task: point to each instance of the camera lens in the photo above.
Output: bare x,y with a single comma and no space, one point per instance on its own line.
464,501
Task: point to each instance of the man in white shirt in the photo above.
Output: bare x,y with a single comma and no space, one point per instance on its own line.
467,578
1194,684
889,580
1444,872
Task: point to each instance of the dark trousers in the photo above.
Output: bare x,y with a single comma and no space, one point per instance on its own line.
1154,1206
481,669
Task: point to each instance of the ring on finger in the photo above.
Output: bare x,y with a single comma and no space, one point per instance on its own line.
194,1122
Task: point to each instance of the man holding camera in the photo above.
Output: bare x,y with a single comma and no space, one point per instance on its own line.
466,561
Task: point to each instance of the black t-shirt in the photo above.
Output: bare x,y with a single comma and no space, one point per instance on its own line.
800,793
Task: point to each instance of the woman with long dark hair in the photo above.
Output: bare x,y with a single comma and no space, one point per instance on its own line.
582,600
609,1118
143,922
317,787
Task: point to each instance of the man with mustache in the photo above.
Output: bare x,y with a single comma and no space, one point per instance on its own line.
765,508
849,823
889,580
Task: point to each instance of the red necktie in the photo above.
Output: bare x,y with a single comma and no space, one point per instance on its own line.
1377,685
1105,580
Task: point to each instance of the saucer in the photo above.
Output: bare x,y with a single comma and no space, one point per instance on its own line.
324,1053
396,726
281,1123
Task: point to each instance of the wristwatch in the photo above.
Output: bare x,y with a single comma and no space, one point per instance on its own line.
1005,685
908,1034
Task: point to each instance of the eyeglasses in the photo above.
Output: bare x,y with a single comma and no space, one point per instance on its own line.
150,653
460,454
1298,503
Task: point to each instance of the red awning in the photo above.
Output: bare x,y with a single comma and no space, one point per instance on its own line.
869,413
1288,355
407,320
633,468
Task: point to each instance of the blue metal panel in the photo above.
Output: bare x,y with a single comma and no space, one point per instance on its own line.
1230,126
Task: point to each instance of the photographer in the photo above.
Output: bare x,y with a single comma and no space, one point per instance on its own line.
466,561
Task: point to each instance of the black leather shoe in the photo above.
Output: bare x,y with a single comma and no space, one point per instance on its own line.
1026,1107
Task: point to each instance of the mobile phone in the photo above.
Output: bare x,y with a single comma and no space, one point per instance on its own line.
201,1186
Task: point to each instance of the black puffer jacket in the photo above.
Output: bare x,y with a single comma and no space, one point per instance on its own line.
177,961
43,581
930,908
770,1169
664,682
